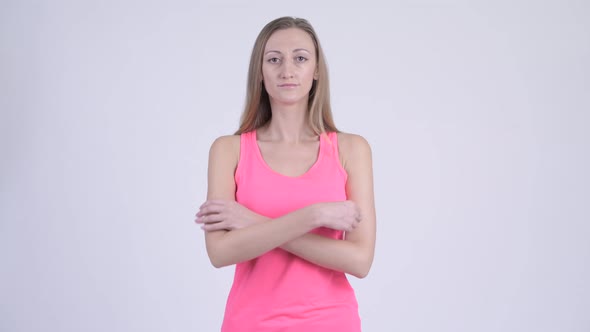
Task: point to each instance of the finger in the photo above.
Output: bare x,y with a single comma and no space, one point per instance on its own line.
210,218
209,209
205,203
213,227
205,219
199,220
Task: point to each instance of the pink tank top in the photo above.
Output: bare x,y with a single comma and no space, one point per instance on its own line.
279,291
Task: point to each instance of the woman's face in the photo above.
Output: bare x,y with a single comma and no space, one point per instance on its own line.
289,66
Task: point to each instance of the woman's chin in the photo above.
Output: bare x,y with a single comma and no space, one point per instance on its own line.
289,100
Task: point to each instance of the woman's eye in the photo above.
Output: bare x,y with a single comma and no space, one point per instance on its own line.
274,60
301,59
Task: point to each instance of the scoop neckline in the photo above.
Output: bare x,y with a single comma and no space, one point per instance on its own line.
267,166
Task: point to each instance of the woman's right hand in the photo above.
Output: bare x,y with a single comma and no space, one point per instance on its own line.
342,216
227,215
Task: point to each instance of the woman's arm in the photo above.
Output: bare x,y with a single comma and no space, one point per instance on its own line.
355,254
231,247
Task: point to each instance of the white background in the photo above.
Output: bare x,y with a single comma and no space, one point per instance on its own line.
477,114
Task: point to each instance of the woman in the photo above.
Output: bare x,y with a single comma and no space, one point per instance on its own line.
290,198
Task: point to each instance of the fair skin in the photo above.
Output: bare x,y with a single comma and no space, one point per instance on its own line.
234,233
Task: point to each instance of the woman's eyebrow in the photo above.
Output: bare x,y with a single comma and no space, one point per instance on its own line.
294,51
272,51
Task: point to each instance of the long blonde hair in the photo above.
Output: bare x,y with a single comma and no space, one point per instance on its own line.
257,111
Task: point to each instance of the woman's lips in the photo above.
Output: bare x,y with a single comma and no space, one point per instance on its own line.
288,85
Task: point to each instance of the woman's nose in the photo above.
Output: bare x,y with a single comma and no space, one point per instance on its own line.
287,70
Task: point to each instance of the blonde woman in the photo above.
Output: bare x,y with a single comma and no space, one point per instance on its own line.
290,198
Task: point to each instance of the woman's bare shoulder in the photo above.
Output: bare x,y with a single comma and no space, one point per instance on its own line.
227,141
226,147
351,145
354,151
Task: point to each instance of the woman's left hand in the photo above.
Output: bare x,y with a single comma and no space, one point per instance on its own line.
225,214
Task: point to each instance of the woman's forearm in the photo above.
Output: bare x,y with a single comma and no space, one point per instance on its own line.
340,255
231,247
290,233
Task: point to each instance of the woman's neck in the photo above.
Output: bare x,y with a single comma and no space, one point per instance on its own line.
288,124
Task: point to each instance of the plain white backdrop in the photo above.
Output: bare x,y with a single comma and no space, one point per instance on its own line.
477,113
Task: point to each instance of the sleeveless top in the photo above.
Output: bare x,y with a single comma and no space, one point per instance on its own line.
279,291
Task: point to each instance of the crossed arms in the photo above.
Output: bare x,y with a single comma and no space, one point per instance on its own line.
234,233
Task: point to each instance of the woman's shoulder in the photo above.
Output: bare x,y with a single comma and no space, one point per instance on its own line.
226,147
226,141
352,142
353,149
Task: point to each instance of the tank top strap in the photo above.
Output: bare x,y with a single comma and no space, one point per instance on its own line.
329,144
247,140
247,154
